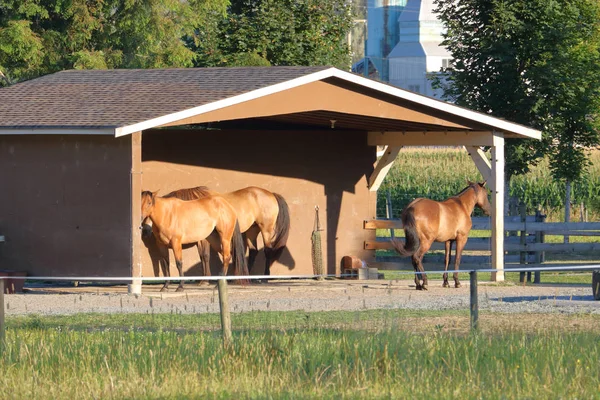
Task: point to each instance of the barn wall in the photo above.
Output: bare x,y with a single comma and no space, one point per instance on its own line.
325,168
65,205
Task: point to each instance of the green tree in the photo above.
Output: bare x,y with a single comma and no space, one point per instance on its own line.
278,32
43,36
533,62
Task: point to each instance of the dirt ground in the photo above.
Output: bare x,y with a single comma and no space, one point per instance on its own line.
309,295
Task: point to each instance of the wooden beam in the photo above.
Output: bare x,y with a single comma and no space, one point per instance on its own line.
483,164
431,138
136,244
383,166
498,207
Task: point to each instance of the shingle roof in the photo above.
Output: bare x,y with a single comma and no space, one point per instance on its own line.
115,98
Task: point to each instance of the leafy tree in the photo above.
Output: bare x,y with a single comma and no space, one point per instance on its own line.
278,32
43,36
533,62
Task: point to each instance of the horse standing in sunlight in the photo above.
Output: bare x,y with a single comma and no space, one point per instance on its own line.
176,222
426,221
259,211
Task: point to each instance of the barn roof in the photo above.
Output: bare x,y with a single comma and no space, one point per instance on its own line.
120,102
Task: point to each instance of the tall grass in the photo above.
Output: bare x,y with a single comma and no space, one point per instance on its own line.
49,362
439,173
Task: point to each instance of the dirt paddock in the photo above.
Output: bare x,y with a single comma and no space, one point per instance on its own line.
305,295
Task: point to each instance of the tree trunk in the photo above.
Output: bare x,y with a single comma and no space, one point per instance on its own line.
567,205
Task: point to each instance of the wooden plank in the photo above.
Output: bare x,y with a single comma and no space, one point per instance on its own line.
429,267
466,259
481,224
431,138
497,217
383,166
483,244
482,163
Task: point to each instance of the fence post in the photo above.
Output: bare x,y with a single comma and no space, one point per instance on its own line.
539,238
474,302
2,322
523,242
225,316
388,212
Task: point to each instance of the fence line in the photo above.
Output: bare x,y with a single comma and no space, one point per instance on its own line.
223,296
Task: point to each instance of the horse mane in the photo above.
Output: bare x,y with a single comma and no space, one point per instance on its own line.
198,192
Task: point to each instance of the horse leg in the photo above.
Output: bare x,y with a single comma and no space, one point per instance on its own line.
164,264
417,260
447,256
226,247
204,253
251,236
178,253
460,245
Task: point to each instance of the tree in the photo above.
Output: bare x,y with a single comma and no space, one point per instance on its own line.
533,62
278,32
40,37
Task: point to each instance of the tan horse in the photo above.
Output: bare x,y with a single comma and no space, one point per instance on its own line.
259,211
176,222
426,221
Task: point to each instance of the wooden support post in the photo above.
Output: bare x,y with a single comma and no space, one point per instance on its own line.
539,238
474,301
498,207
225,315
2,322
383,166
523,242
388,212
136,213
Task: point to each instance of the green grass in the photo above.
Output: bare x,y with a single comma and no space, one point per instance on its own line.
51,358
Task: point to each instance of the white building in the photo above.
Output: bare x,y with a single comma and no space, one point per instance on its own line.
418,52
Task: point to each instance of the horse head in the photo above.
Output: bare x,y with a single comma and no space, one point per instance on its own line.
482,197
148,200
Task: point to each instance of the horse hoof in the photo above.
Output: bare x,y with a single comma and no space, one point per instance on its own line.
179,289
457,285
164,289
446,284
424,287
203,283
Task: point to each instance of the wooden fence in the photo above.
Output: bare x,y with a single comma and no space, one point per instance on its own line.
524,244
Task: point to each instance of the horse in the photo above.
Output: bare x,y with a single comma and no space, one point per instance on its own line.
176,222
448,221
259,211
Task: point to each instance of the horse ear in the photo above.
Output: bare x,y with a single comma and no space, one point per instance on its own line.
482,184
469,183
155,193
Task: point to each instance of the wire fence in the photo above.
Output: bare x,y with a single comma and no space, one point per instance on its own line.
260,306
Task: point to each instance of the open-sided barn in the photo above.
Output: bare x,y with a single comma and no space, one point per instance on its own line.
78,147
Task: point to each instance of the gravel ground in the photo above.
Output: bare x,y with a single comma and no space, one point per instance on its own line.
306,295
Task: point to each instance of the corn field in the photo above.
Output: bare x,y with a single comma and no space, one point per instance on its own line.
438,173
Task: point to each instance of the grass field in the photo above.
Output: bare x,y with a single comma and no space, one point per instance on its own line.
383,354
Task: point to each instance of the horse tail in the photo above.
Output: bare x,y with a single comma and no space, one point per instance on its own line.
282,224
239,252
413,243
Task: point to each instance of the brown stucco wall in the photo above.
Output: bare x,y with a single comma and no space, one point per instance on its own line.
65,204
326,168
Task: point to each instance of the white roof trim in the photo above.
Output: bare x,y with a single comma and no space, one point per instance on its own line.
58,131
192,112
500,125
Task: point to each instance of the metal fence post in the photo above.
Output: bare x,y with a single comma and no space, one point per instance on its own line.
474,302
225,316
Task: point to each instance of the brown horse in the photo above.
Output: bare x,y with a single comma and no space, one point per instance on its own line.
176,222
259,211
426,221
